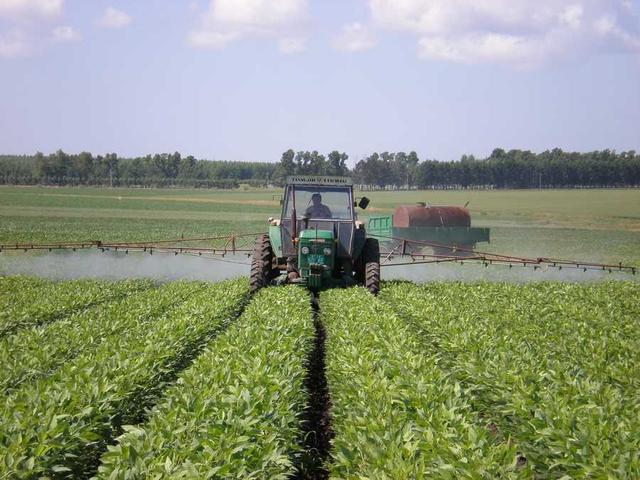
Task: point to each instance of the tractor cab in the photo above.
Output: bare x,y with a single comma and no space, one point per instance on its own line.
317,241
318,207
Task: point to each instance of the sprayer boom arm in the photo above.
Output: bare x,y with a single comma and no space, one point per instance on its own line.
398,251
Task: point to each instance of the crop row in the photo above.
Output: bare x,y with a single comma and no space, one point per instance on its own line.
59,425
33,303
395,413
553,367
236,412
425,381
13,286
38,351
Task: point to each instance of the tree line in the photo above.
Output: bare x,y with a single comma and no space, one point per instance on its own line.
159,170
398,170
502,169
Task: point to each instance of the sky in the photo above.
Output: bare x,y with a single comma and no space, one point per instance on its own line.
249,79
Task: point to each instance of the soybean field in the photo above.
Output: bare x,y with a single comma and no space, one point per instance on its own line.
597,225
136,380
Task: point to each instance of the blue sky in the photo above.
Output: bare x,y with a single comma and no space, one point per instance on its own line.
247,79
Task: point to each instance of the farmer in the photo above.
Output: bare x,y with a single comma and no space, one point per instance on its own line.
317,209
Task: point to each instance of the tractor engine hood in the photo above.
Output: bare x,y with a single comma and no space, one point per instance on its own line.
316,257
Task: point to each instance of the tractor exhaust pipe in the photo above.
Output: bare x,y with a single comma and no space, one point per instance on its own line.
294,217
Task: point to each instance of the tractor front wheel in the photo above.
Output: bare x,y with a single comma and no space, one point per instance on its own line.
262,271
371,265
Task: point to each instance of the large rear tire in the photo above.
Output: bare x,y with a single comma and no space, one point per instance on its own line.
371,265
262,271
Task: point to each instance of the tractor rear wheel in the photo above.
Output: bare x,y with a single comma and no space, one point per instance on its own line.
262,271
371,265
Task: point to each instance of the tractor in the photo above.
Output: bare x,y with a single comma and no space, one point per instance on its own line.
317,242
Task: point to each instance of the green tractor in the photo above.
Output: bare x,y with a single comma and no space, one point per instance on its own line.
318,241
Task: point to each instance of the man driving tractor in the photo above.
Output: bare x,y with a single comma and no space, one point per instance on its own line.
317,209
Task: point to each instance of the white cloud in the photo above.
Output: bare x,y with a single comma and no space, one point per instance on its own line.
114,18
226,21
29,27
572,16
256,14
22,9
517,32
65,33
211,39
14,43
354,37
481,48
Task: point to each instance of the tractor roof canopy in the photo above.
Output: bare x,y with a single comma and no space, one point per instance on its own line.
319,180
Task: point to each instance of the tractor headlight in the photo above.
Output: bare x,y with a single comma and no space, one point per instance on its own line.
304,250
326,251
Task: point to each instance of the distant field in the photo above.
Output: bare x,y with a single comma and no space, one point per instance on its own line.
599,225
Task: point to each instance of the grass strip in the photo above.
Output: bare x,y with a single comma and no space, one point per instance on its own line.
555,366
235,413
59,426
394,412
